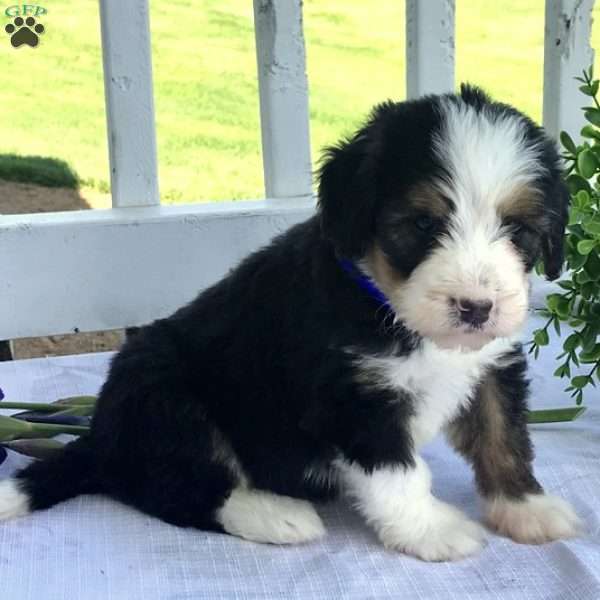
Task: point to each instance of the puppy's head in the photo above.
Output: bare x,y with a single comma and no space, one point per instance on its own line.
447,202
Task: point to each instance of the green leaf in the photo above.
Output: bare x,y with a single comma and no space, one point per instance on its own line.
11,429
576,261
588,290
588,338
540,337
576,182
571,304
592,227
589,89
568,142
592,266
592,355
590,132
574,230
582,198
555,415
565,284
68,416
562,371
41,448
580,381
587,163
556,324
552,301
78,401
588,217
586,246
572,342
590,72
583,277
577,231
76,410
562,308
592,115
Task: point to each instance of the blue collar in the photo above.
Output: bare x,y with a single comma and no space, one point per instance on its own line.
366,283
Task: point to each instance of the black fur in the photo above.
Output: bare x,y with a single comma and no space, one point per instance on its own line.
261,357
254,376
372,169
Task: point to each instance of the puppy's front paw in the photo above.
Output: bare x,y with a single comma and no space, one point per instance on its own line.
536,519
439,533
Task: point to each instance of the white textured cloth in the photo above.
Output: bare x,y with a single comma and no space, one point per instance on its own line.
92,548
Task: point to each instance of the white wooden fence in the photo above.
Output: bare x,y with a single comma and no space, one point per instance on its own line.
92,270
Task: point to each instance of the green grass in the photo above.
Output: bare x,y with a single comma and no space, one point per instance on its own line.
206,90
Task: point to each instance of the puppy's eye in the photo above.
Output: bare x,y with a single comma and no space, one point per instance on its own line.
519,229
425,224
522,234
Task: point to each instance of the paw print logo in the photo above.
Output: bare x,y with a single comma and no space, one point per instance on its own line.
24,31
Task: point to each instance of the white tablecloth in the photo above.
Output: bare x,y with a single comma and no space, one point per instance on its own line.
92,548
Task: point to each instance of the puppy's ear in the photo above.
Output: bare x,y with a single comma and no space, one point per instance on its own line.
347,194
553,240
474,95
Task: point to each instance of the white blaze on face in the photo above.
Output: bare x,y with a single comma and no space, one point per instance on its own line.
488,162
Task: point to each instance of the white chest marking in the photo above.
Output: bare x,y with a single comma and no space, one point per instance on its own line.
440,381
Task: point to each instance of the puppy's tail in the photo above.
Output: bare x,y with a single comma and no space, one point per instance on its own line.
47,482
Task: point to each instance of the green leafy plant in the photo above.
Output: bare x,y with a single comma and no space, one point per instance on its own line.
579,303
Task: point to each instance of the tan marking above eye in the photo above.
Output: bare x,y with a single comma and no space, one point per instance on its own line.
521,204
425,197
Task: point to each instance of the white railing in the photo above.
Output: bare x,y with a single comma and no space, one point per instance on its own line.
567,51
91,270
129,97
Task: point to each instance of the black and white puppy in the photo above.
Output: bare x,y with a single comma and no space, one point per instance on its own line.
325,361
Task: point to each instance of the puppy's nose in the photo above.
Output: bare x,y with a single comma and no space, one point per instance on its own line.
474,312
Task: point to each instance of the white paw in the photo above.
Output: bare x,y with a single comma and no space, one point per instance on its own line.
13,502
269,518
536,519
441,533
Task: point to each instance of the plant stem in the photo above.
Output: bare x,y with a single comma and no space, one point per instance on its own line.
549,322
591,373
56,429
32,406
589,81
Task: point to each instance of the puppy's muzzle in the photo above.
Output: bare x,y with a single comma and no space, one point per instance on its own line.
474,312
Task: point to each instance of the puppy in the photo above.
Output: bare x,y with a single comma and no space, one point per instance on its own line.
324,361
